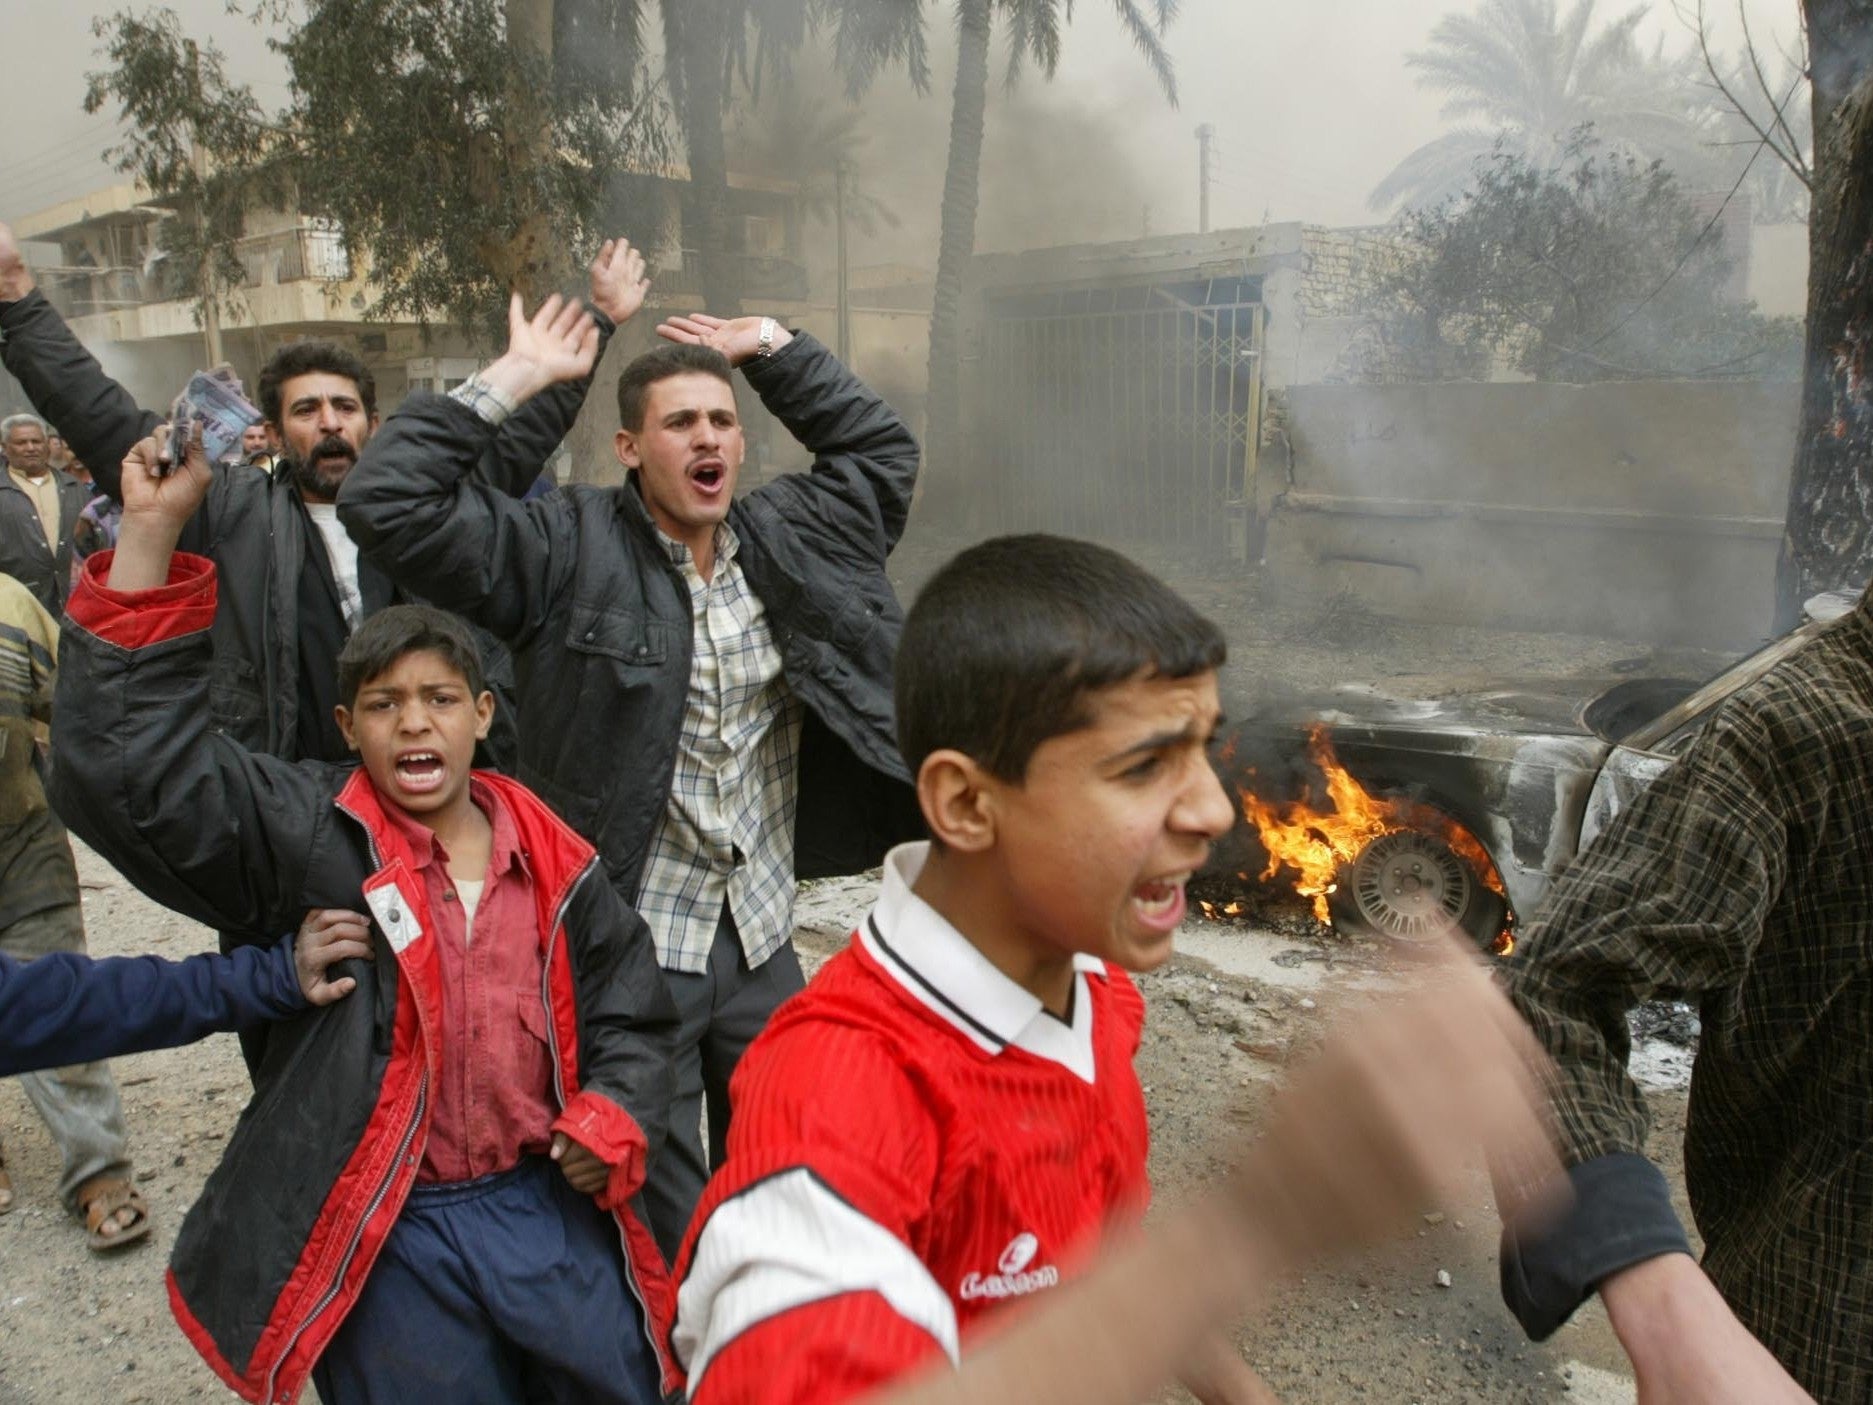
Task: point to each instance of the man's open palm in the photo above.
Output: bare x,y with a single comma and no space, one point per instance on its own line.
560,340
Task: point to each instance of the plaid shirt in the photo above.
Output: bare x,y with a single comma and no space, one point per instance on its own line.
1743,880
727,831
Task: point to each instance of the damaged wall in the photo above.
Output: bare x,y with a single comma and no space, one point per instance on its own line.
1646,510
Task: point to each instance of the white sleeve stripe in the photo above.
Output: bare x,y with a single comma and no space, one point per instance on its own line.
788,1241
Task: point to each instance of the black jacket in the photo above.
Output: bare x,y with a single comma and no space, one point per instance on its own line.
600,622
252,524
24,555
276,1249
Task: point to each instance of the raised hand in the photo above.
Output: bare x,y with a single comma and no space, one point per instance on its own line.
158,499
558,343
739,340
327,936
560,340
16,279
619,281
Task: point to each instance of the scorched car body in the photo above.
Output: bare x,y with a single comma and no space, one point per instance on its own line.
1534,771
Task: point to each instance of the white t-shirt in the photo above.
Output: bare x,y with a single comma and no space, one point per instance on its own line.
470,894
342,552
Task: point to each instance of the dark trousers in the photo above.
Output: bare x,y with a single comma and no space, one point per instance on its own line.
722,1009
506,1289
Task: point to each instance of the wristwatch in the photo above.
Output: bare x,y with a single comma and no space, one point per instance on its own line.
765,345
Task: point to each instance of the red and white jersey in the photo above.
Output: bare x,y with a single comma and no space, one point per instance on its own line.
917,1143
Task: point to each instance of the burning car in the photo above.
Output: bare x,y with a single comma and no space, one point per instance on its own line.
1398,816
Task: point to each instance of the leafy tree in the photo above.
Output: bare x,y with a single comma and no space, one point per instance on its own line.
1523,74
463,147
1593,268
870,35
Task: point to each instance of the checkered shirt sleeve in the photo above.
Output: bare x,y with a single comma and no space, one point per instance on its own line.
727,828
1740,881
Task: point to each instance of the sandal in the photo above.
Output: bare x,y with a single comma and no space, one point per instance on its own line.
103,1197
6,1186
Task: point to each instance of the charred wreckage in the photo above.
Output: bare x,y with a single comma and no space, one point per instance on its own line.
1399,816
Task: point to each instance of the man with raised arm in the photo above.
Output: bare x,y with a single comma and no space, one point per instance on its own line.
705,682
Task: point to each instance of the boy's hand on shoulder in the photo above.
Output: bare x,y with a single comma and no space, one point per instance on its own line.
583,1170
327,936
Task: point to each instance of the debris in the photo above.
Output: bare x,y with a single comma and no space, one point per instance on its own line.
1435,1217
1307,1003
1443,1278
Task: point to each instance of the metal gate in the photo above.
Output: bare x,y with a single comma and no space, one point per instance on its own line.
1128,414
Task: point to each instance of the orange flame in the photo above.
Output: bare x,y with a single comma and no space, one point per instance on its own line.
1314,844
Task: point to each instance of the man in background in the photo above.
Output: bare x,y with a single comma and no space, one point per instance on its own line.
39,915
39,506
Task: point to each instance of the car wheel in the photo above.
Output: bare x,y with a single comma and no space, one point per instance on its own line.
1409,885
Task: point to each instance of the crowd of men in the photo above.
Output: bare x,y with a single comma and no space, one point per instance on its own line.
678,699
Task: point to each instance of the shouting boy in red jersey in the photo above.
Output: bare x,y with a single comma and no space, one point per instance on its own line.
947,1120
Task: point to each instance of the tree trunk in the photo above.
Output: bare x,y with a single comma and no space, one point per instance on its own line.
525,257
1827,542
705,84
943,437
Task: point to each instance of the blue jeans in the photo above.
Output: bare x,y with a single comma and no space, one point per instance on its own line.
506,1289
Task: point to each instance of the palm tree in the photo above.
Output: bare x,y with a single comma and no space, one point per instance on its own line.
707,44
1523,74
872,34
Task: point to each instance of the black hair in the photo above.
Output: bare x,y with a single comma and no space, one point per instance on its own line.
304,358
677,359
407,629
1006,642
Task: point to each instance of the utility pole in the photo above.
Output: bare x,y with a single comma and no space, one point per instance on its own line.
845,269
1206,137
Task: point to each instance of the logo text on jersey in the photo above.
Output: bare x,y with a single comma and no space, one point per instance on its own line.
1012,1278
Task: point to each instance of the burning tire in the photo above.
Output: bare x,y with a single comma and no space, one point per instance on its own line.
1409,885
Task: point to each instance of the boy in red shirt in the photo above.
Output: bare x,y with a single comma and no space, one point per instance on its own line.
436,1191
947,1120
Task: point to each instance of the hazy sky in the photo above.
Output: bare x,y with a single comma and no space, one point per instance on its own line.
1310,99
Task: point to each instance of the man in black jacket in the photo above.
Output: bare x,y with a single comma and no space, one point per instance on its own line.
705,684
39,506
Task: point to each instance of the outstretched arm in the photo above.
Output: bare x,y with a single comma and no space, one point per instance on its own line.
62,380
415,507
68,1008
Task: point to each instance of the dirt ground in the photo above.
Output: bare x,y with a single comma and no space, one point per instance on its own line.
76,1327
